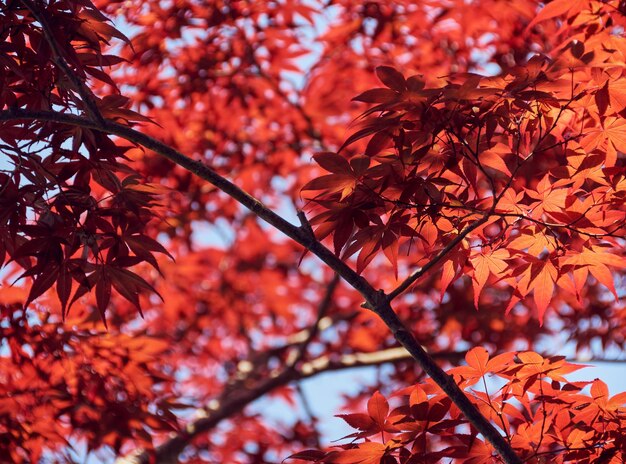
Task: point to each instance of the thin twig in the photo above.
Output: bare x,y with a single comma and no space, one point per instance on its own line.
322,309
305,224
308,410
434,261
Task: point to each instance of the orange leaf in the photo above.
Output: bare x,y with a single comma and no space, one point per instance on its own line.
364,453
378,408
493,160
485,264
543,287
557,8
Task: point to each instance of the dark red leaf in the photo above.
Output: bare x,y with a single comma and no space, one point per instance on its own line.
377,143
308,455
43,282
64,287
358,421
103,293
377,96
391,77
333,162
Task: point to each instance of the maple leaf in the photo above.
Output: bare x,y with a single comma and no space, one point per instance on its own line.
550,199
533,241
558,8
543,277
391,77
365,453
611,136
359,421
333,183
594,259
534,366
511,202
451,269
488,263
378,408
600,393
493,158
479,365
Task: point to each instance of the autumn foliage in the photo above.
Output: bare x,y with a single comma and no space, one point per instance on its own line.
204,203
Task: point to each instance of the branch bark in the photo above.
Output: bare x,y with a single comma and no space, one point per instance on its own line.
375,300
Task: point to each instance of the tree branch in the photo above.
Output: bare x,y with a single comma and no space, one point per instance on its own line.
232,401
376,300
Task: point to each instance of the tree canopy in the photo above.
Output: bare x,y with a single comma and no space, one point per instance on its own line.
205,202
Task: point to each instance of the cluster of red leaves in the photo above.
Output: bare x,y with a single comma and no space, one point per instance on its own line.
72,214
530,156
544,416
537,152
74,381
221,95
